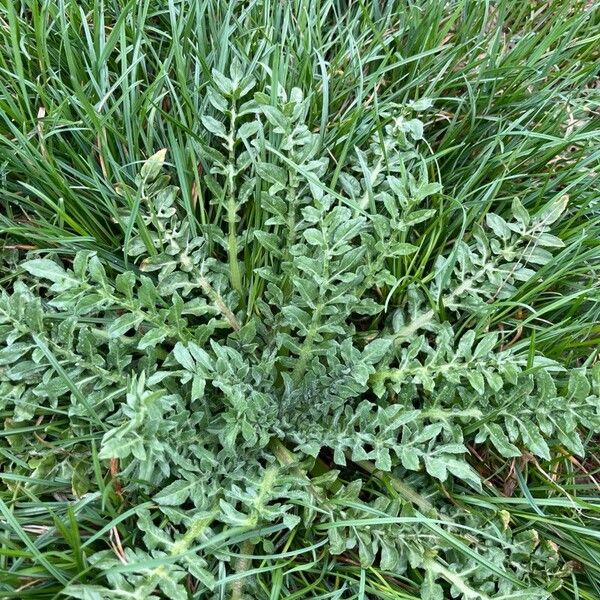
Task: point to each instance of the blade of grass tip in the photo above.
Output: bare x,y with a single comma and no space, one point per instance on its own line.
39,557
34,480
525,489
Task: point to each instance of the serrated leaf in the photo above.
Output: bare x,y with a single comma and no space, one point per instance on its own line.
175,493
501,442
374,351
533,440
121,325
152,338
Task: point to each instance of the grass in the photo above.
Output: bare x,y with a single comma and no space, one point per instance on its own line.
90,89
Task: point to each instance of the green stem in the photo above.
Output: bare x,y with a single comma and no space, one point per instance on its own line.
428,315
407,492
218,302
242,564
307,346
404,489
287,459
196,529
291,232
375,269
235,274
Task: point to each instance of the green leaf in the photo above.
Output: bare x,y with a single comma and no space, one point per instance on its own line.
383,460
44,268
436,467
520,212
12,353
579,386
409,457
501,442
296,317
201,357
486,345
152,338
116,445
376,350
390,557
419,216
269,241
431,590
123,324
552,211
214,126
464,471
533,439
88,592
175,493
401,249
421,104
415,128
272,173
248,130
314,237
152,167
183,357
498,225
477,381
223,83
198,386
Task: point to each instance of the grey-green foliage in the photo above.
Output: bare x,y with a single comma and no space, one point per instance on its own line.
194,384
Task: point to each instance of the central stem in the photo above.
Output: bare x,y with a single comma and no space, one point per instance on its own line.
235,275
241,566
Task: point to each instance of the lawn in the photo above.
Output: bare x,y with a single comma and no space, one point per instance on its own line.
299,299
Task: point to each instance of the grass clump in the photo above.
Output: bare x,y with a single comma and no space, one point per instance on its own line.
299,300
